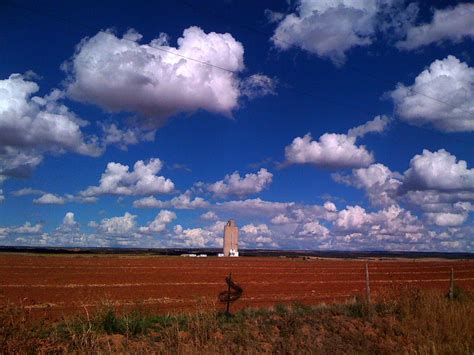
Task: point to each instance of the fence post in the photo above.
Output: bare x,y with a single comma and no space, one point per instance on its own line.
227,311
451,286
367,284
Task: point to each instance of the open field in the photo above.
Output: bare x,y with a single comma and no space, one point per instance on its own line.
51,286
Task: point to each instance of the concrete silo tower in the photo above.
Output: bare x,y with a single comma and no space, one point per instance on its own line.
231,239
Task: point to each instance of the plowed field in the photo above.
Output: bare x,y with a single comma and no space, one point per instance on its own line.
55,285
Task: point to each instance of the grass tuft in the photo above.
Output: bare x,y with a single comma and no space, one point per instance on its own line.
410,321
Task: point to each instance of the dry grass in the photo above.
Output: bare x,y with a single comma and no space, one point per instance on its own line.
406,321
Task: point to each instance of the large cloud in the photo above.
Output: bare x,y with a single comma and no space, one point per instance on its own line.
32,125
442,96
118,180
352,219
159,224
258,235
379,182
20,235
236,185
313,230
392,224
335,150
328,28
441,186
331,150
126,228
18,162
118,226
68,233
288,219
452,23
69,223
436,183
198,237
439,171
157,80
446,219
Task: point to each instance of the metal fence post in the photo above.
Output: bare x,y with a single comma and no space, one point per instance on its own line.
451,286
367,284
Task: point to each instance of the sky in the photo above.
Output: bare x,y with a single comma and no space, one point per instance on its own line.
315,124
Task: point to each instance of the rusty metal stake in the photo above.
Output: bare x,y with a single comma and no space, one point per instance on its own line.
367,285
451,286
228,295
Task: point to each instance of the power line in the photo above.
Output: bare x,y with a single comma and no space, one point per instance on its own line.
248,27
269,34
126,39
319,96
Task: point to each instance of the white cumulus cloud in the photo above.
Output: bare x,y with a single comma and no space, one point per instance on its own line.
331,150
26,229
330,206
453,24
209,216
198,237
118,226
281,219
159,224
255,229
31,126
446,219
327,28
379,182
142,180
441,96
68,224
50,199
334,150
313,229
236,185
439,171
352,218
180,202
156,79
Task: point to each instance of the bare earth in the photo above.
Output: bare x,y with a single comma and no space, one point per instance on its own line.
55,285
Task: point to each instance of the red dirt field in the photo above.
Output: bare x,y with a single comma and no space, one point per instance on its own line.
52,286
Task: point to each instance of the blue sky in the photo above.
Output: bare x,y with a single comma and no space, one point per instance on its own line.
317,124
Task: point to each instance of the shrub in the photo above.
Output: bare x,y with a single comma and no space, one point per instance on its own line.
415,321
281,309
